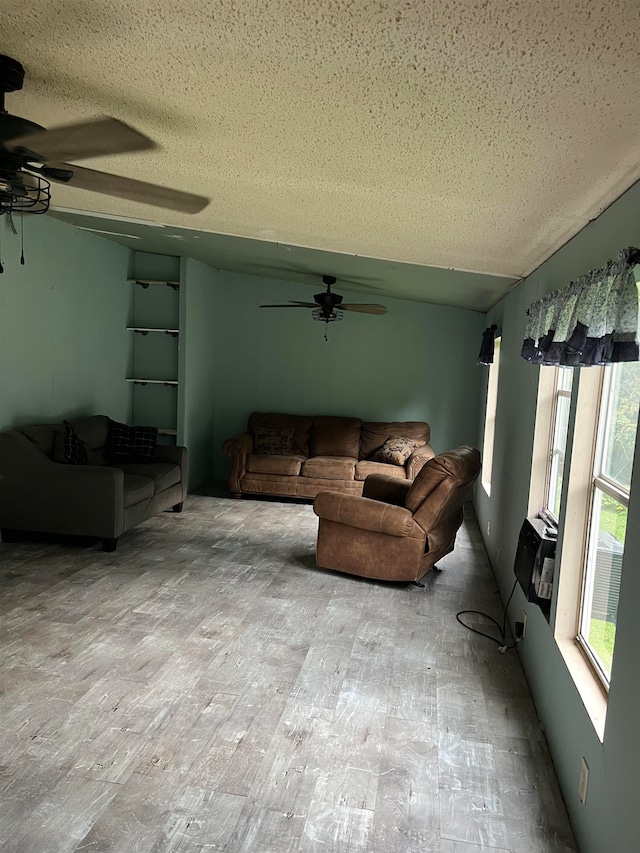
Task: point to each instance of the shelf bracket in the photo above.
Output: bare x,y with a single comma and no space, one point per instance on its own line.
137,382
173,285
172,334
143,284
142,332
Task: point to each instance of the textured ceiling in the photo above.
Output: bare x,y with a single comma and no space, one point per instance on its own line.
478,136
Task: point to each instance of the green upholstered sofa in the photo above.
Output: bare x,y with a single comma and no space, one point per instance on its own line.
96,499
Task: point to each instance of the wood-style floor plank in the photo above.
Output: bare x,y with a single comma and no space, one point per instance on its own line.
207,688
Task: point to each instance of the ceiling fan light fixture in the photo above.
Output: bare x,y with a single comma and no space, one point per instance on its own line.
28,194
321,314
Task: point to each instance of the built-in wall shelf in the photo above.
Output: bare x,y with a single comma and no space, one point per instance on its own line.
173,382
143,330
145,282
153,335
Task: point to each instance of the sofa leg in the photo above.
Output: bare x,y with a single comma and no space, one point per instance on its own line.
109,544
236,495
436,569
178,507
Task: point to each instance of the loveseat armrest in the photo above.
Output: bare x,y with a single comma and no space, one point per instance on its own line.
366,514
389,490
175,455
418,459
40,495
238,447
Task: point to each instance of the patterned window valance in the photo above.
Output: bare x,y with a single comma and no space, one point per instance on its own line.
593,321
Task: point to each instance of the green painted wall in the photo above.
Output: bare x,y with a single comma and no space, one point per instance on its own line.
199,354
63,346
415,363
611,818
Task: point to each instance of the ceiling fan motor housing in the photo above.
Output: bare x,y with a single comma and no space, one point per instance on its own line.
11,74
327,299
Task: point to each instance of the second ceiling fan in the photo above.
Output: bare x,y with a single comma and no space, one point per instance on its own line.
328,306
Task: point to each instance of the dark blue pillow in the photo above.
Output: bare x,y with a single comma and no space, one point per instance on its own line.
131,444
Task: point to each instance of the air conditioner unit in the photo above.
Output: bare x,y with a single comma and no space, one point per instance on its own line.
535,560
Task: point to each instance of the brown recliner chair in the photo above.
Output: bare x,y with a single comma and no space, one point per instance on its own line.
398,529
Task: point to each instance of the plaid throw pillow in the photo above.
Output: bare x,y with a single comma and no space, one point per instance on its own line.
67,447
131,444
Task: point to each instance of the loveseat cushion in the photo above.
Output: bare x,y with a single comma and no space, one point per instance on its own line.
92,432
365,467
329,467
137,489
265,464
42,435
374,434
273,420
334,436
161,475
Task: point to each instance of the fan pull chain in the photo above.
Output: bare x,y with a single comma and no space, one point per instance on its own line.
22,237
1,228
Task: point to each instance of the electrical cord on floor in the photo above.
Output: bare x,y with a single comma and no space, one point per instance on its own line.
502,644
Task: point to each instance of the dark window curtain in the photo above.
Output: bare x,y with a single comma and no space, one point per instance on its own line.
593,321
485,356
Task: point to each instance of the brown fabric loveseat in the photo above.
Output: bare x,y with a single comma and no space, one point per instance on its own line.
311,454
96,499
397,530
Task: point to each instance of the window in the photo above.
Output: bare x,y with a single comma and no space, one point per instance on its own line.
610,484
490,418
558,440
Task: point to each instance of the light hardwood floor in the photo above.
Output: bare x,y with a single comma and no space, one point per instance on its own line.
207,688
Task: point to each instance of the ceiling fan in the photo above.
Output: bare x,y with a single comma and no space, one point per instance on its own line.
328,306
31,157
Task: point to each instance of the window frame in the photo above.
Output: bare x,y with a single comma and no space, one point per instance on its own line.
601,483
488,442
557,394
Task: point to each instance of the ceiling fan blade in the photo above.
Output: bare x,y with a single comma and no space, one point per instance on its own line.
294,305
363,308
116,185
95,138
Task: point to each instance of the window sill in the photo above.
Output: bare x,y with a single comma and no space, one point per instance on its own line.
587,684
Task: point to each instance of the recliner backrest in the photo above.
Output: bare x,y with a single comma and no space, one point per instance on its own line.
439,491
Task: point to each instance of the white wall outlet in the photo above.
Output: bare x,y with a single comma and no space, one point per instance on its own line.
488,528
584,782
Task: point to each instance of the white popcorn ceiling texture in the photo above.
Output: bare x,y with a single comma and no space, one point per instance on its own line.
469,135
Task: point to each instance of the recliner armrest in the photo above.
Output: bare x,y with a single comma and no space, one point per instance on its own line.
389,490
366,514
